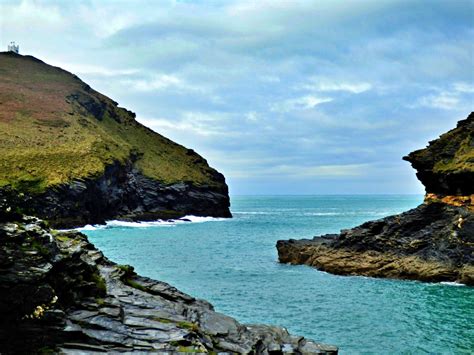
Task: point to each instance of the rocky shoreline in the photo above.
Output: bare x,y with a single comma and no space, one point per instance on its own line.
424,244
59,294
433,242
123,193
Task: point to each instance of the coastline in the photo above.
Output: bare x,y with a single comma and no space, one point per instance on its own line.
85,302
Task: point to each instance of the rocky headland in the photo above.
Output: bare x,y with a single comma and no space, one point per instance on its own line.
71,156
433,242
59,294
76,157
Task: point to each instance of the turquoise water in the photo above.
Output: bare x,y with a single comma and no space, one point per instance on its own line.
233,264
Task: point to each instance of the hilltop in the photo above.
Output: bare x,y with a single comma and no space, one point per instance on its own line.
433,242
79,158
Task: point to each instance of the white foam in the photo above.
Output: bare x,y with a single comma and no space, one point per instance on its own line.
198,219
451,283
157,223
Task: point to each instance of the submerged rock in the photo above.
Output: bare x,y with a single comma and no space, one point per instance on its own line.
58,293
433,242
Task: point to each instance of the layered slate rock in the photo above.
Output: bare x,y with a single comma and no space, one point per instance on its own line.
433,242
77,157
58,293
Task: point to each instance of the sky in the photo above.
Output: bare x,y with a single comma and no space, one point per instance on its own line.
282,97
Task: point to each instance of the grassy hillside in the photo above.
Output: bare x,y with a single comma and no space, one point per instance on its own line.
55,128
453,152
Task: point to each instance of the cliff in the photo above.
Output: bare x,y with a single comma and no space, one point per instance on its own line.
59,294
77,158
446,166
433,242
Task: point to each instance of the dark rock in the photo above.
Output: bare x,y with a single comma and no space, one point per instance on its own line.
425,244
122,193
60,294
433,242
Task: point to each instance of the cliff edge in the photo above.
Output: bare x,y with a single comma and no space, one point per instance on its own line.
76,157
433,242
59,294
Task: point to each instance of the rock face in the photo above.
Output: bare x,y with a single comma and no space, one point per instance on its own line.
76,157
124,193
433,242
58,293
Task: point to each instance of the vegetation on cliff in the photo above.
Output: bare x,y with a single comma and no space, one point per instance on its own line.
446,166
78,158
433,242
54,128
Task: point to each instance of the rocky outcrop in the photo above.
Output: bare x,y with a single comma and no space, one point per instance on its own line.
58,293
433,242
446,166
122,192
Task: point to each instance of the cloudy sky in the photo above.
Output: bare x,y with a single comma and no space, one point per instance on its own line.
283,97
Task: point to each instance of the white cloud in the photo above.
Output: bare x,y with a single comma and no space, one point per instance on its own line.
96,70
323,170
301,103
190,123
325,85
443,100
293,171
251,116
155,83
447,99
356,88
29,14
464,87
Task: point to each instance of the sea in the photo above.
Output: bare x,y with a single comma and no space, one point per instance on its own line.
233,263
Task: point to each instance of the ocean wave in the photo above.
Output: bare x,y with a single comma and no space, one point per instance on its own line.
451,283
157,223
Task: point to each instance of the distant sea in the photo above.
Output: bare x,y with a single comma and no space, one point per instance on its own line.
233,264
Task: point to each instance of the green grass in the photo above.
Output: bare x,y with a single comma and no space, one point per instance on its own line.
134,284
463,159
47,139
100,282
453,152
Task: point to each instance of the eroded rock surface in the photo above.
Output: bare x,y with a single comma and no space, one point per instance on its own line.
59,293
433,242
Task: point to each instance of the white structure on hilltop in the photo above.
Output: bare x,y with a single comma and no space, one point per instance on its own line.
13,47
